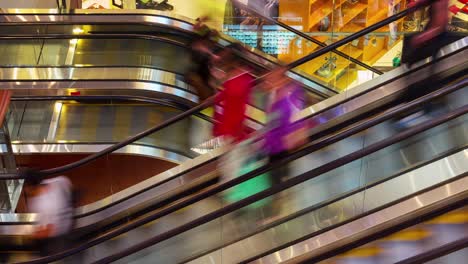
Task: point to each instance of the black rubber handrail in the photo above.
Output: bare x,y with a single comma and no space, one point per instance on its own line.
210,100
300,153
117,146
128,12
287,184
305,36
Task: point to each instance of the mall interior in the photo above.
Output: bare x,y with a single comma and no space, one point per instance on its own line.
108,153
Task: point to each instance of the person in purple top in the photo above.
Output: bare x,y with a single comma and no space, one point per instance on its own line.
286,100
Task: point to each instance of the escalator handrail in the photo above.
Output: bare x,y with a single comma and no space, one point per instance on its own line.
89,66
297,32
305,36
298,179
209,101
287,184
441,92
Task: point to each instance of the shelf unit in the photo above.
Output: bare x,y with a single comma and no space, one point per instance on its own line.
345,17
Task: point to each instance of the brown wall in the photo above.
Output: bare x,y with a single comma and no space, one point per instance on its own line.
100,178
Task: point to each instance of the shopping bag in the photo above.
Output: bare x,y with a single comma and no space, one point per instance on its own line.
252,186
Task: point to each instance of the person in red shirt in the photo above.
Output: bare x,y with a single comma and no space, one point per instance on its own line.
232,100
230,114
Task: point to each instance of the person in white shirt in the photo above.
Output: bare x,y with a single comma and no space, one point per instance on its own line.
52,200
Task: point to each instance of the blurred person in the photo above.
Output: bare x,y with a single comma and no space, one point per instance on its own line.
230,112
52,199
202,56
232,100
283,134
242,155
420,46
437,26
427,43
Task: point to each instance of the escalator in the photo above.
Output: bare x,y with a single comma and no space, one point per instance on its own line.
339,203
200,210
333,112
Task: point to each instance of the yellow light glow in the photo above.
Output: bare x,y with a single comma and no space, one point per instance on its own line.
58,107
77,31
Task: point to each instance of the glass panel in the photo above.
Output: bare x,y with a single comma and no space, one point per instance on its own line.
30,121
